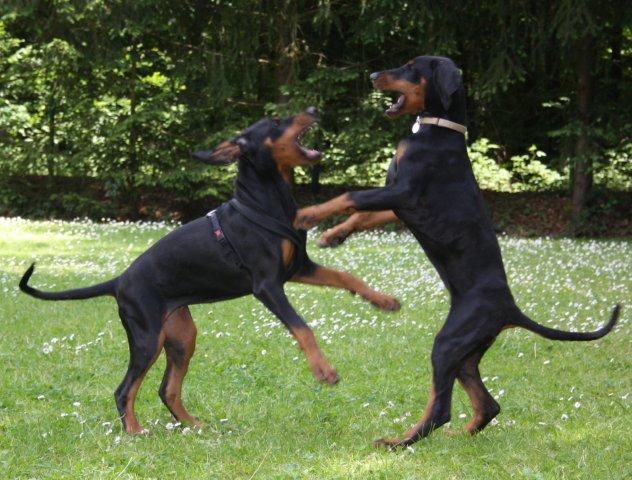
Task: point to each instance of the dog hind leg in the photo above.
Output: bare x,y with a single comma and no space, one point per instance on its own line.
145,343
484,405
180,334
438,408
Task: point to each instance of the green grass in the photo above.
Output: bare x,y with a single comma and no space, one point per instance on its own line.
566,406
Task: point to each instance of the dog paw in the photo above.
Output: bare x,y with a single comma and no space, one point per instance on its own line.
388,443
325,374
195,424
306,218
330,377
385,302
332,239
138,431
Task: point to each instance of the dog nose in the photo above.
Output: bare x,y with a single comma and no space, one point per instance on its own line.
311,111
374,76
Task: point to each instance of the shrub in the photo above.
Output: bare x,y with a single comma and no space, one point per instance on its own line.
523,173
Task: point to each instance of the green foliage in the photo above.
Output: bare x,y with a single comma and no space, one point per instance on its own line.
489,174
530,174
78,206
123,91
614,172
522,173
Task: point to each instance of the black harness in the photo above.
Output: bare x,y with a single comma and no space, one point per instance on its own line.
218,233
297,237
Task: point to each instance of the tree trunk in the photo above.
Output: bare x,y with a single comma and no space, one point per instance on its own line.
50,164
130,192
133,140
287,25
616,69
582,165
133,131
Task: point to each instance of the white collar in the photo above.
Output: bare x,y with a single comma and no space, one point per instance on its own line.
440,122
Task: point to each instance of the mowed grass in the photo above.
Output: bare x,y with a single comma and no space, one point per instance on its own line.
566,406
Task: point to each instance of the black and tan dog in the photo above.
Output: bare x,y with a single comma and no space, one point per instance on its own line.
431,188
246,246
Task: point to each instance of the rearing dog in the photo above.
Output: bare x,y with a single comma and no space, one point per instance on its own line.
431,188
246,246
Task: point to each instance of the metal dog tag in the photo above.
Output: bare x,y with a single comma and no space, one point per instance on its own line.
416,126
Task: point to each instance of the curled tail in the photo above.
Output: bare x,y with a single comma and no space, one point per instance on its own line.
105,288
521,320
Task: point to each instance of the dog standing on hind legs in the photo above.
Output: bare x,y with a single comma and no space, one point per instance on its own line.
246,246
431,188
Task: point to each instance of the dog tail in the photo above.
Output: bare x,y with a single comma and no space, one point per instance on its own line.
521,320
105,288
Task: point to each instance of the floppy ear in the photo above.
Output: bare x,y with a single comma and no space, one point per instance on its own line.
447,80
224,154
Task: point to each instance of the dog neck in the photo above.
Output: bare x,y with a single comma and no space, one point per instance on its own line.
439,122
456,111
265,191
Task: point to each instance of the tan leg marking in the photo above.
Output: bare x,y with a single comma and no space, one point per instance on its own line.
357,222
309,217
287,251
324,276
426,416
483,404
477,398
180,333
401,150
397,442
131,422
318,364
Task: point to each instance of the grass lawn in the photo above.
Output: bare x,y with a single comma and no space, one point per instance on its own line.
566,406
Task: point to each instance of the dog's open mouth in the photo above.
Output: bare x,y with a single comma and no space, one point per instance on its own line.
312,155
395,108
385,83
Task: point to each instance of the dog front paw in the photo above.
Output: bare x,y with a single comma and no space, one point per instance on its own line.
325,373
306,218
384,302
333,237
389,443
331,377
140,431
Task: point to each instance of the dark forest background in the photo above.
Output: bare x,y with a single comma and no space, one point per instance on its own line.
102,101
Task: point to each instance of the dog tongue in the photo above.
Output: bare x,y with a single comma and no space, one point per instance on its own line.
397,105
312,154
